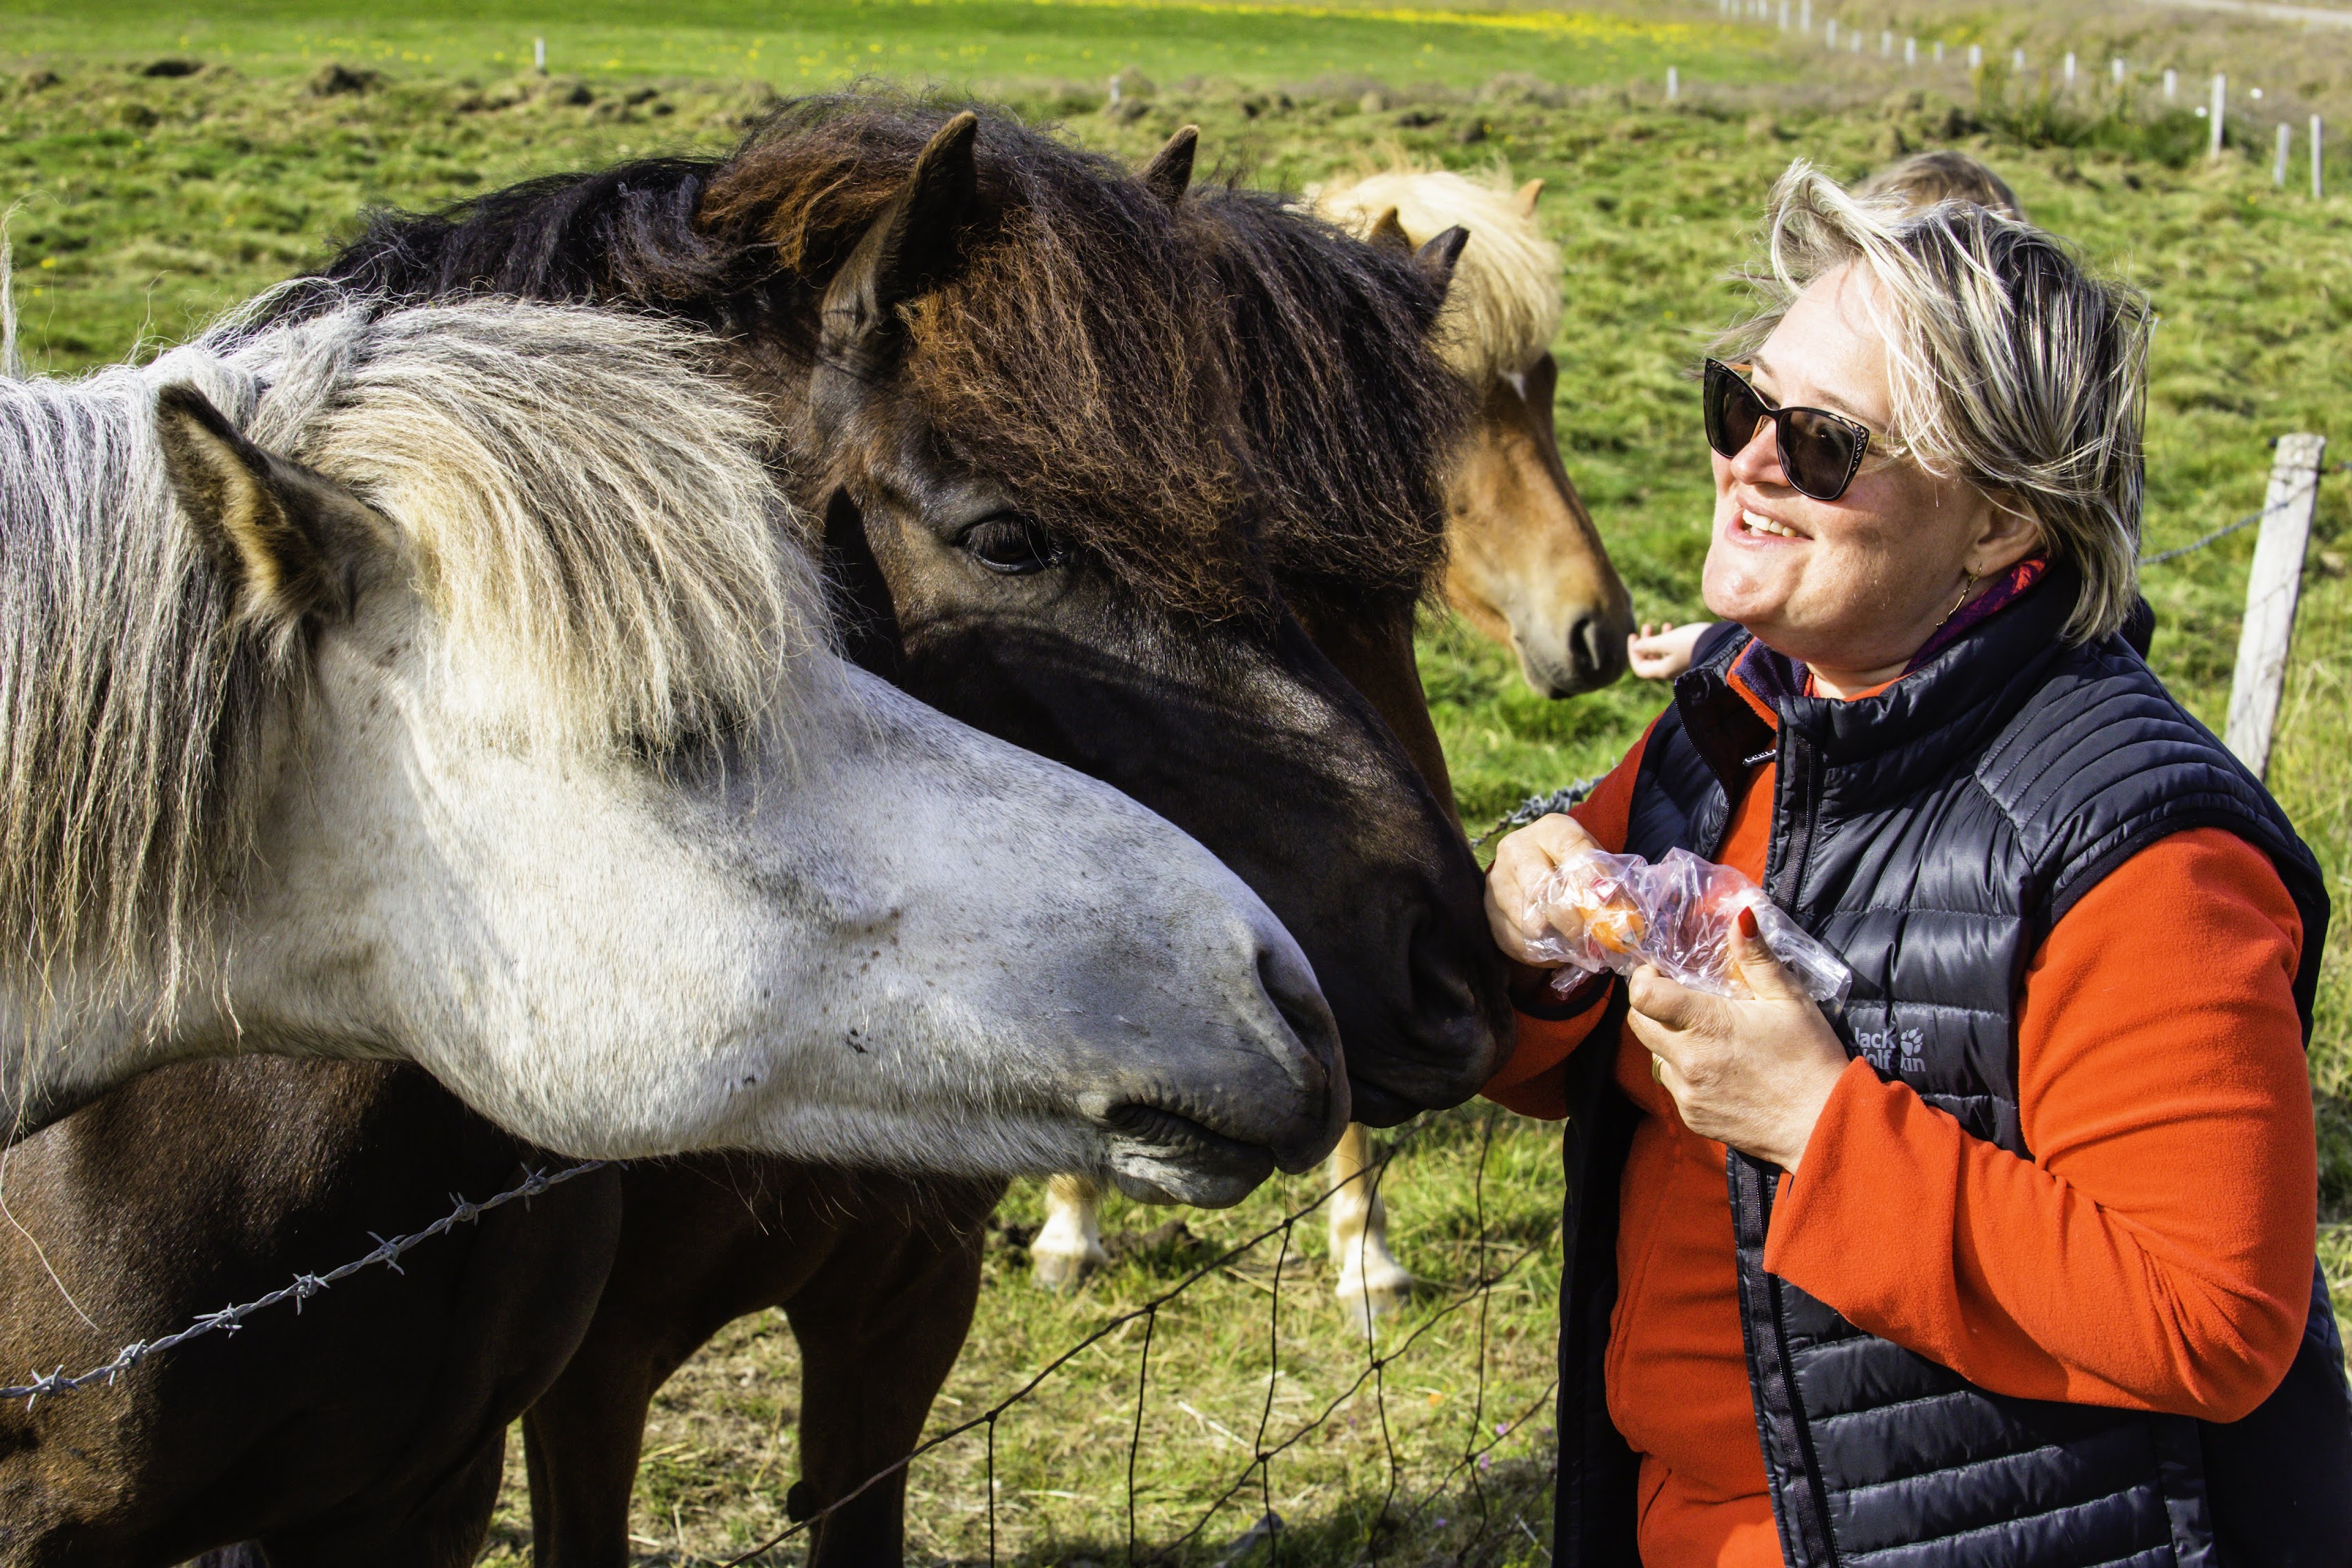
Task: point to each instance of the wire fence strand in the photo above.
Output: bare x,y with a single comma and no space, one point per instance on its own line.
1267,1446
228,1320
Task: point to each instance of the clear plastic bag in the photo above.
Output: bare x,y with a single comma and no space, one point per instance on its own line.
1619,912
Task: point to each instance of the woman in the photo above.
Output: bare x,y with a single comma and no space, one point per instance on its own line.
2012,1261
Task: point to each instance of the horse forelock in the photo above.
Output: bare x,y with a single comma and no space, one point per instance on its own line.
1071,358
1352,417
590,521
1503,308
588,507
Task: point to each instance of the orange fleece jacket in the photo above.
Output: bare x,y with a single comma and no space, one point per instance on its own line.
2155,1253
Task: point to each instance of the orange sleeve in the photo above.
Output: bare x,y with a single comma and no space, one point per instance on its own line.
2156,1252
1530,1081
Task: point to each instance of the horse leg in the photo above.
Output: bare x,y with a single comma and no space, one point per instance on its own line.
1373,1283
444,1528
1068,1246
581,1443
879,1330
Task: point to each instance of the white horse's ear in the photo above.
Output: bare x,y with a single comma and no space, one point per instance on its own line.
289,540
1526,199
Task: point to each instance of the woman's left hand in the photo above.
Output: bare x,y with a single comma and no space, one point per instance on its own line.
1754,1075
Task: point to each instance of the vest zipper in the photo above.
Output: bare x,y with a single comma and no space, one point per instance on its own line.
1766,1184
1796,807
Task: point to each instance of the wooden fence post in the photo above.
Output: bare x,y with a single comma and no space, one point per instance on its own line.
2271,592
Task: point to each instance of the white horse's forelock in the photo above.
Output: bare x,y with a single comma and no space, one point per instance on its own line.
588,513
1503,308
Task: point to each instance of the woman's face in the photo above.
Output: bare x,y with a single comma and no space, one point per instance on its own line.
1854,586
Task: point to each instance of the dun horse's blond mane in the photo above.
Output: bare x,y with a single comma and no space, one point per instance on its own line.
1503,308
588,517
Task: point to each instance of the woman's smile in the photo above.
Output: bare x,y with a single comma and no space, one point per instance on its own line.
1751,524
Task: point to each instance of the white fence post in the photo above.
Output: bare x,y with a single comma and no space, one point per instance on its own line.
1829,32
2314,158
1976,56
2070,70
2171,85
2278,169
2016,61
1674,84
1885,45
2116,70
539,55
1784,16
2272,589
1910,52
2220,102
1805,17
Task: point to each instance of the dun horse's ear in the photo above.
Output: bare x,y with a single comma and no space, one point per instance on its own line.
1169,172
1388,232
289,540
1526,199
910,248
1437,258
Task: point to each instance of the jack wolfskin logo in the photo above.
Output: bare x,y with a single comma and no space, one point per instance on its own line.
1888,1047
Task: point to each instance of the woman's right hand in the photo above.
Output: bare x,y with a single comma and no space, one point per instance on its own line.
1522,860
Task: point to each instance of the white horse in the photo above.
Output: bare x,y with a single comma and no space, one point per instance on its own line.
448,684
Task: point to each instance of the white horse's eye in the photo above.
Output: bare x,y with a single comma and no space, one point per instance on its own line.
1011,545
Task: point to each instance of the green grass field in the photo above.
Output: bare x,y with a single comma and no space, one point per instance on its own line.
144,203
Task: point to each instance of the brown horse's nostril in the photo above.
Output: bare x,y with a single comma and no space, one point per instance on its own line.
1594,656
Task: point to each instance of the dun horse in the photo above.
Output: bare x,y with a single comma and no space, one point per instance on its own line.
1527,567
458,697
1524,566
1154,642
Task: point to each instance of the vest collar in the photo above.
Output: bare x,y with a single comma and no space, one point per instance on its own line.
1939,716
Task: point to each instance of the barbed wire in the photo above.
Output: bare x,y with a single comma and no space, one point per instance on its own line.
2251,517
228,1320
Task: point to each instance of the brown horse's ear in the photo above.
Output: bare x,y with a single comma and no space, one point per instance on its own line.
1169,172
911,248
1388,233
1526,199
288,540
1437,258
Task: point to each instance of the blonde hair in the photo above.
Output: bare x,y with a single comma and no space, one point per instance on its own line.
2012,367
1502,307
1924,179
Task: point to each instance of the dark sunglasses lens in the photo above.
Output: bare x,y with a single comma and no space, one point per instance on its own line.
1733,412
1818,452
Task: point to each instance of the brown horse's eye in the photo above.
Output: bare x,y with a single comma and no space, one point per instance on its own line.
1011,545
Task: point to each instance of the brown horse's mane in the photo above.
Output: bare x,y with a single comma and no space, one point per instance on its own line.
1210,397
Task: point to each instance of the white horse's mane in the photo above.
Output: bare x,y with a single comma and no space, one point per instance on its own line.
1503,308
588,516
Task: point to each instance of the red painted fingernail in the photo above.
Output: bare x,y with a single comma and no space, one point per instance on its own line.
1748,926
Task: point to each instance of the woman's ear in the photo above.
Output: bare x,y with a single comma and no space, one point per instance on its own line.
2011,532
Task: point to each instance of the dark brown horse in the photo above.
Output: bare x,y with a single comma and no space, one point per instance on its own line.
1084,452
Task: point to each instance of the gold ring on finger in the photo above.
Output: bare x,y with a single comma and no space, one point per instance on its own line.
1657,1068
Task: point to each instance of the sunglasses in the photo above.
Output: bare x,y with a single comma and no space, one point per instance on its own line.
1820,451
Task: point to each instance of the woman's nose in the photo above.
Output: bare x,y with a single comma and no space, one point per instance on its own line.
1758,462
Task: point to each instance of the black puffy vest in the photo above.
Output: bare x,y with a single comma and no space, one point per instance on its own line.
1933,835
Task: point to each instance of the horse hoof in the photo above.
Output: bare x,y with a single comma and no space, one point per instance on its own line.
1372,1293
1063,1272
